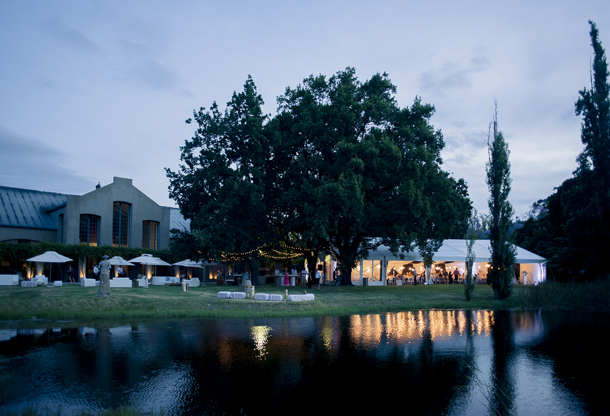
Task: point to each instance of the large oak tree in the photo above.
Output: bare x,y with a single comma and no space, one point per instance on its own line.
340,168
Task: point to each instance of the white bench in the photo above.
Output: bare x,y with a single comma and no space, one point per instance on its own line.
162,280
9,280
28,283
120,282
57,283
224,294
41,280
143,282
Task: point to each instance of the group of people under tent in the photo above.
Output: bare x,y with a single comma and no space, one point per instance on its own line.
305,279
440,276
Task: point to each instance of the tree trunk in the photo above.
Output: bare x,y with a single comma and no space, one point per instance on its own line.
346,276
254,264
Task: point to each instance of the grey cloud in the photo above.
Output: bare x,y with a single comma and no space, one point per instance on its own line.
72,37
453,75
461,148
154,74
186,93
144,66
29,163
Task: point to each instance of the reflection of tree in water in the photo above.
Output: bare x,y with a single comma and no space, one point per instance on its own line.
502,377
413,361
575,342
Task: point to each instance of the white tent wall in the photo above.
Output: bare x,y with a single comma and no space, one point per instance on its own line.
536,273
452,253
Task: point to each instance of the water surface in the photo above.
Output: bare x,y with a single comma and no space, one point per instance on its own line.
428,363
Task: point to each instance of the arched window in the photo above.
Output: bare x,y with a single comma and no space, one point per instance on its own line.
120,224
149,234
89,229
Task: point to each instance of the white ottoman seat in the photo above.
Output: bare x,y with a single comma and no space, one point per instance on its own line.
238,295
261,296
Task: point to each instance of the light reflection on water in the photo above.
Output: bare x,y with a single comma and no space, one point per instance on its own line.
437,362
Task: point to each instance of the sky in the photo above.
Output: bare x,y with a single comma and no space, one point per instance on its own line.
90,90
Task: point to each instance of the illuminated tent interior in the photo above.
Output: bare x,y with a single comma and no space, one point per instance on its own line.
381,267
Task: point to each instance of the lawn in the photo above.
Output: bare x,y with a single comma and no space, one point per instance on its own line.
76,302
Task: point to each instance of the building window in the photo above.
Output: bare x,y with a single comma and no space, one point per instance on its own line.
120,224
149,234
89,227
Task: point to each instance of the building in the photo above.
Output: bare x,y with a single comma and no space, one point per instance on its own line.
118,215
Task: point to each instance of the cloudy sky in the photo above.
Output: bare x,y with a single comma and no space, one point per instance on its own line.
90,90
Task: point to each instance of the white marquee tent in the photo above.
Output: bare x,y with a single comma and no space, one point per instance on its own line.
452,251
455,250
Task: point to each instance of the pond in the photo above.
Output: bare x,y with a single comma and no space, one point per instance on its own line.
416,363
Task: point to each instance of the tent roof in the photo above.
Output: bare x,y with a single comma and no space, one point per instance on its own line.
454,250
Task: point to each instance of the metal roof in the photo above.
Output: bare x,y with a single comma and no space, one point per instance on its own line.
28,209
176,220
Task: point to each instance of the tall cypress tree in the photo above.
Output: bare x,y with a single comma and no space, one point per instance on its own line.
573,231
588,204
500,212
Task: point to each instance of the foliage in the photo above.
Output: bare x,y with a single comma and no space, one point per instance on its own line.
471,237
225,183
500,213
572,229
341,169
361,170
588,296
588,224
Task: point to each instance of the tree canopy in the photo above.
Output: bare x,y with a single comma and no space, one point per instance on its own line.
572,228
500,213
341,168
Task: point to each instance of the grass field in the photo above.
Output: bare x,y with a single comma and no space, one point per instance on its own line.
76,302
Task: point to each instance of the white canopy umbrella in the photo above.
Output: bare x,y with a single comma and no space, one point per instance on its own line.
119,261
149,260
188,263
50,257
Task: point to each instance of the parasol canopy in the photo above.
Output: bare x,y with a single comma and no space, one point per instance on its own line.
189,263
50,257
149,260
119,261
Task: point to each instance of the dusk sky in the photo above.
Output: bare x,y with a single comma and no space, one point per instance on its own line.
90,90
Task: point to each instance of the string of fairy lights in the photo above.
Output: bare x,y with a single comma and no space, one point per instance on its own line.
265,250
